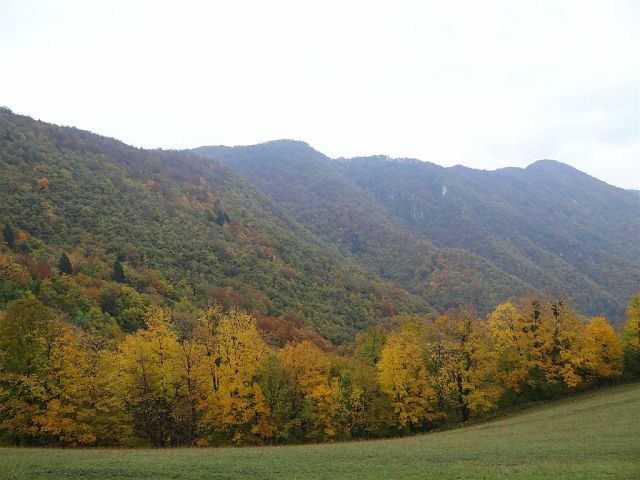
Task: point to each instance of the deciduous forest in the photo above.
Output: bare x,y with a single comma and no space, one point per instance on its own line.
271,295
213,378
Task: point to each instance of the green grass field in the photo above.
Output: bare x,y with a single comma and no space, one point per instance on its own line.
596,435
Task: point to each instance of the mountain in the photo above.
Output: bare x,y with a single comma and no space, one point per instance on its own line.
549,224
456,235
186,230
317,193
305,242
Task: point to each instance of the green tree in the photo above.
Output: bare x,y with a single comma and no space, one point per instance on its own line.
118,272
369,345
9,236
64,265
21,333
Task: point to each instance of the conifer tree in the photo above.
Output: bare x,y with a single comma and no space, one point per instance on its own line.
118,272
9,236
64,265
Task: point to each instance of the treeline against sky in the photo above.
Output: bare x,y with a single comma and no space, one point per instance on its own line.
213,378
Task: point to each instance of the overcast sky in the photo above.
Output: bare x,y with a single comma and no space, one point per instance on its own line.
485,84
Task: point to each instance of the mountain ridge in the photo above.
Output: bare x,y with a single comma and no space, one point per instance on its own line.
286,232
545,253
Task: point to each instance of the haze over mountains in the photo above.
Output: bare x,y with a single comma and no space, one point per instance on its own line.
548,227
336,244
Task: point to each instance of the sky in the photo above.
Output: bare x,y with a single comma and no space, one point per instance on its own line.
484,84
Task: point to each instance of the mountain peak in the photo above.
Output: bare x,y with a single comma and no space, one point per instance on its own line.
279,148
286,142
547,163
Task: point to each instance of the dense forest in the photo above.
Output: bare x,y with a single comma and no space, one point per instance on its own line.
213,379
269,294
458,235
185,233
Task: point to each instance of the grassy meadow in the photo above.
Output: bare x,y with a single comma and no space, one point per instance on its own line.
592,436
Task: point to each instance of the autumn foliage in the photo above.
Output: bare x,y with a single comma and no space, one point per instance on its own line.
215,380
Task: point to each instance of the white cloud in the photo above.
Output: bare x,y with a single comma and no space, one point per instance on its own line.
486,84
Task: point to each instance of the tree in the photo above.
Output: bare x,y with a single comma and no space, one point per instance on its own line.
278,393
328,410
46,380
190,392
403,377
563,344
631,335
22,330
513,346
369,344
436,359
234,352
604,349
469,362
146,374
9,236
118,272
305,364
306,372
532,312
69,383
127,305
64,265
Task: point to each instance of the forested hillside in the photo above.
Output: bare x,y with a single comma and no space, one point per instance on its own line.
304,242
186,233
549,224
269,294
312,188
548,227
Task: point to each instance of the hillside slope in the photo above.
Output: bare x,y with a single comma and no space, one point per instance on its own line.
314,190
550,225
208,234
593,436
489,235
284,231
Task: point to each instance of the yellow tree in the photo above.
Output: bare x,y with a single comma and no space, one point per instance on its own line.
147,378
563,344
192,387
305,365
403,377
364,409
512,345
114,419
312,395
604,349
469,362
234,352
69,382
328,410
46,380
631,335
